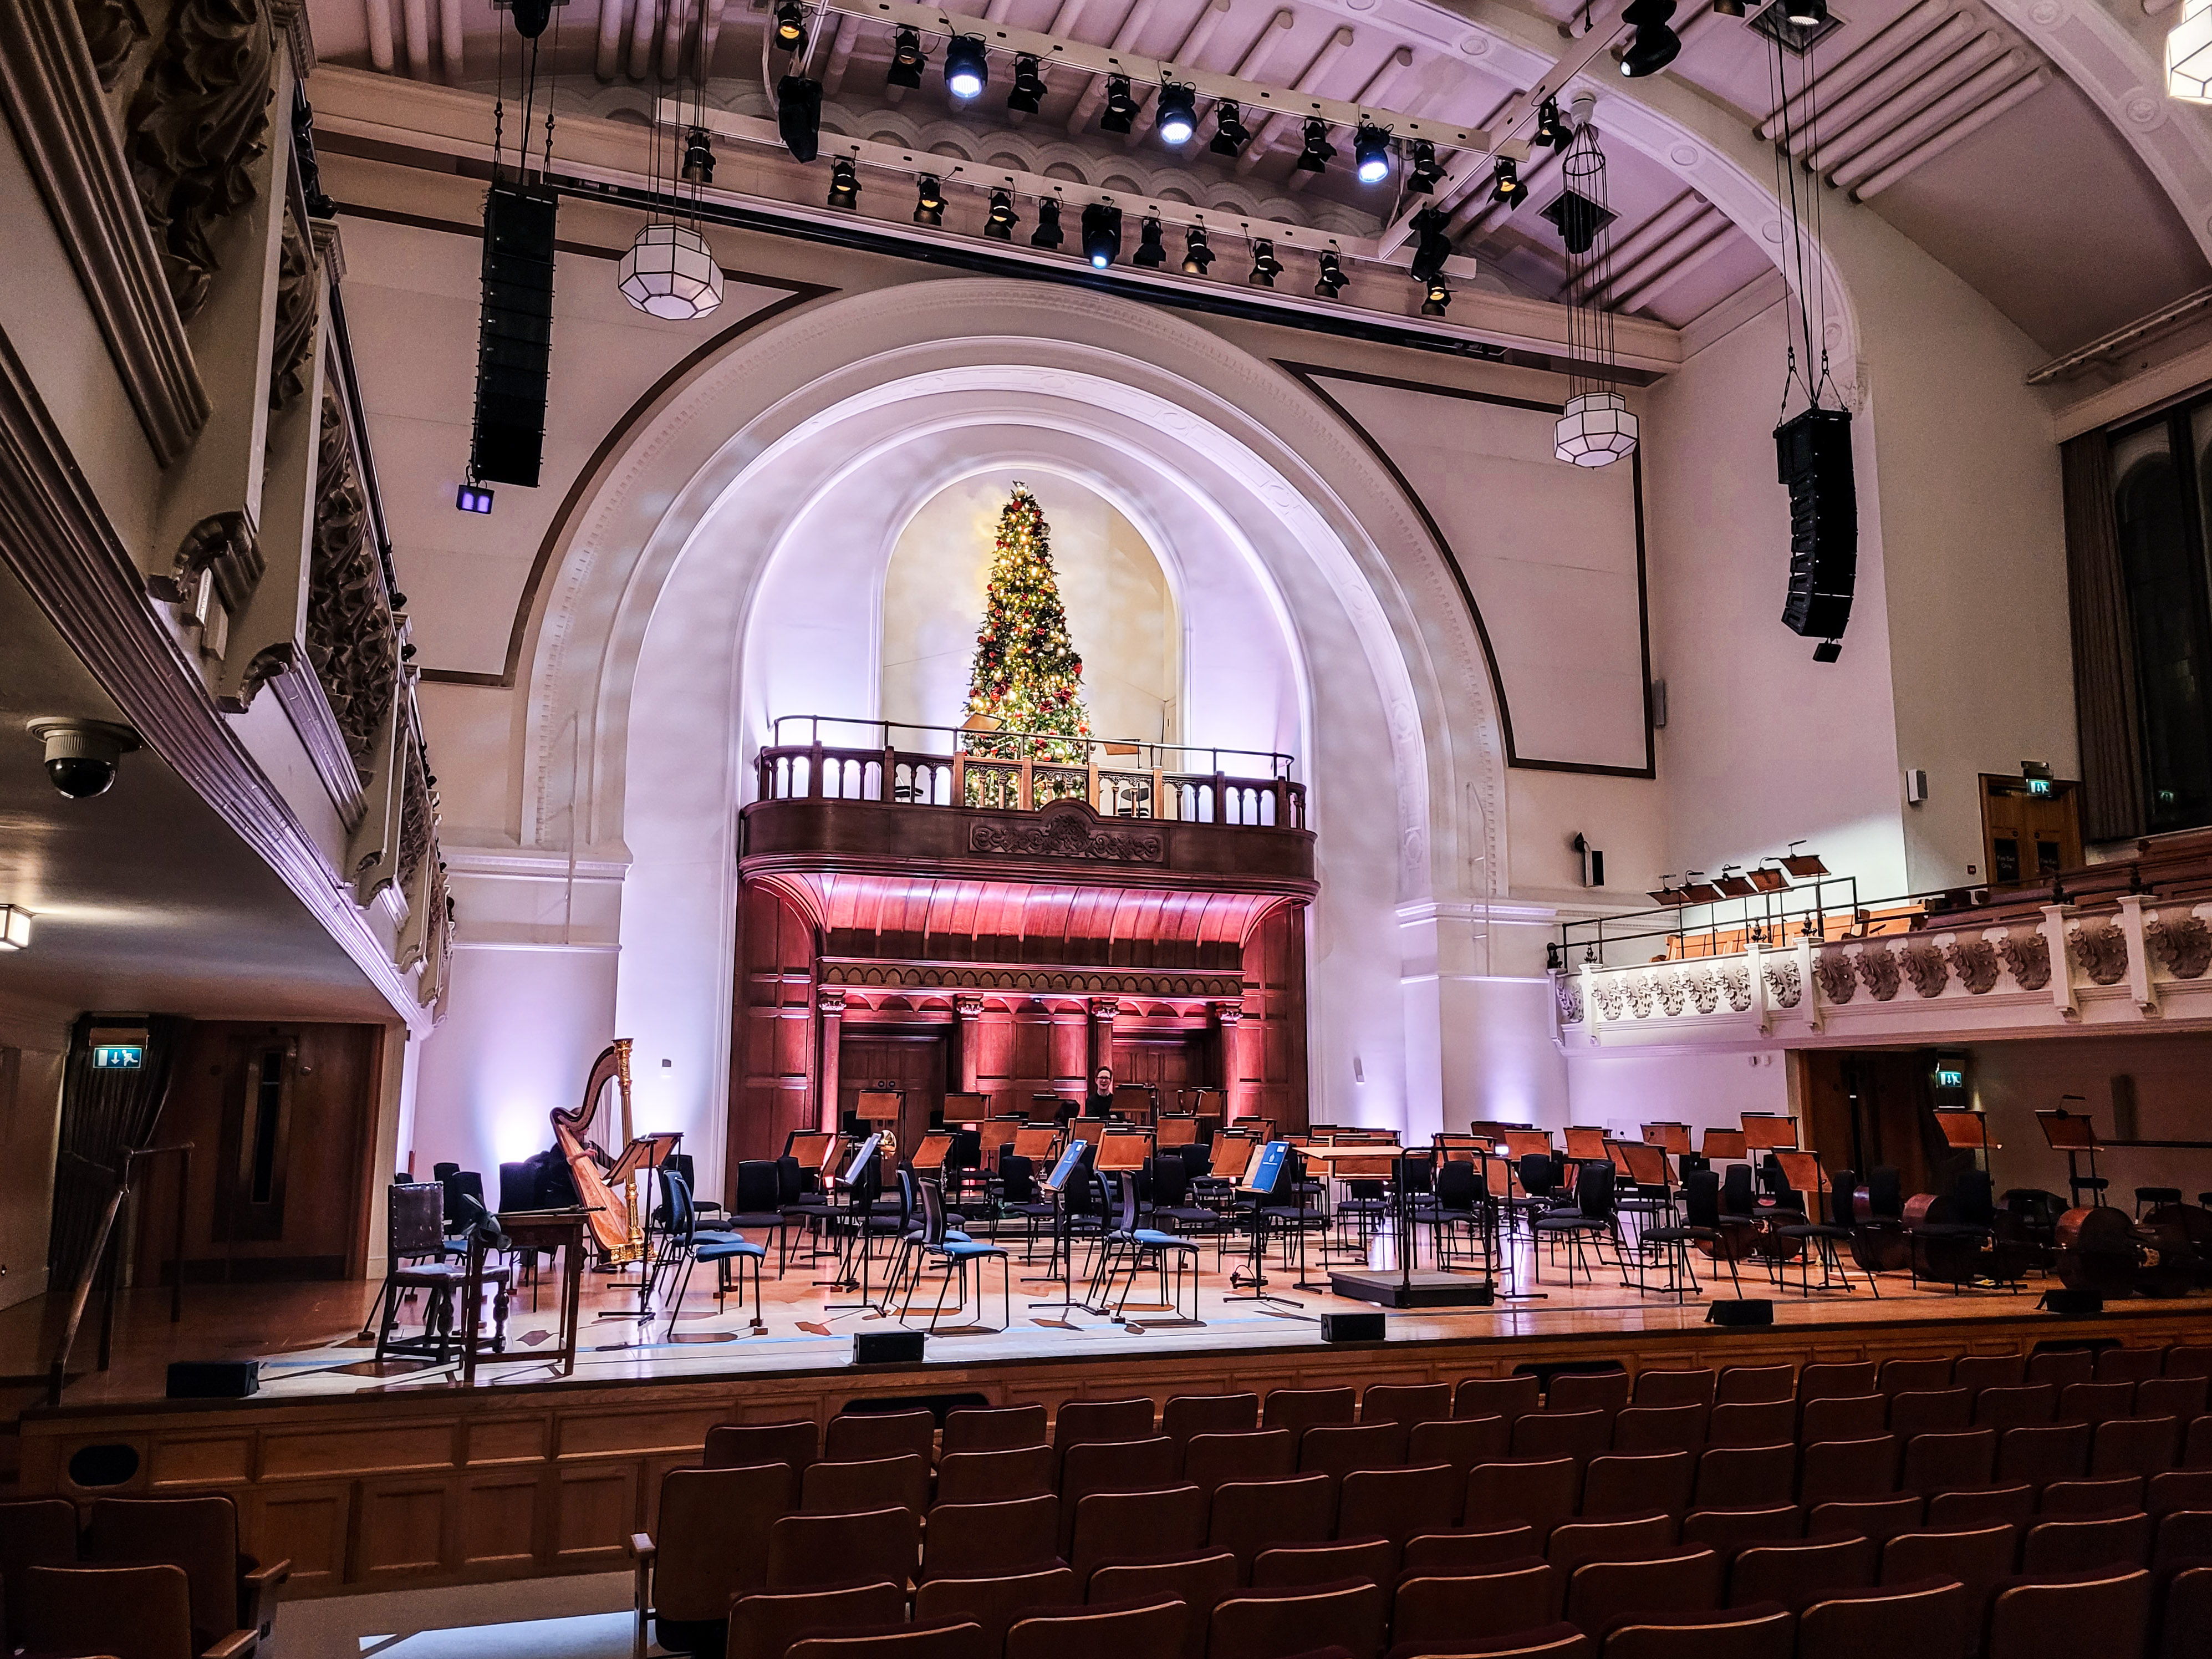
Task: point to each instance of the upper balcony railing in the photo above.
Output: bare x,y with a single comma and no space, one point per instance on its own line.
1023,771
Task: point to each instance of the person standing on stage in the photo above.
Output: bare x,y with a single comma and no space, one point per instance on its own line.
1101,1103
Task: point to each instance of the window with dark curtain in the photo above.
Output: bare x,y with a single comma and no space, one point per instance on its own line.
2163,568
2105,713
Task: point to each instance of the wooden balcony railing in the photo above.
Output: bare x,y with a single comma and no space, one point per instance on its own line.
1023,772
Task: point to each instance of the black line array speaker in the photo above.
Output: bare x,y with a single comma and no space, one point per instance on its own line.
1812,454
515,340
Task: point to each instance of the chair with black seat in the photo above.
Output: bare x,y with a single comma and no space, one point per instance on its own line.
125,1612
756,1206
1700,1224
2068,1614
1174,1209
2151,1198
1129,1248
688,1243
1594,1217
956,1255
711,1549
231,1592
1538,1176
1458,1209
1277,1623
1020,1198
1928,1618
1101,1629
763,1626
1821,1237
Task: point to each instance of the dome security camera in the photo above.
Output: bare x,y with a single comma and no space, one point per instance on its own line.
82,755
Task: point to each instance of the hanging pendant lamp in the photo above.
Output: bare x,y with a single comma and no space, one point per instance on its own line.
670,272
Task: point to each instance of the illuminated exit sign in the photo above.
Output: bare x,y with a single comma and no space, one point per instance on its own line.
118,1056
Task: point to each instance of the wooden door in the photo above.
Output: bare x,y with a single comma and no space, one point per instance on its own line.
913,1062
771,1054
1864,1109
2029,837
1165,1061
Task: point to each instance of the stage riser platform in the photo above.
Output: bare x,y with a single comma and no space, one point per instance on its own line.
434,1486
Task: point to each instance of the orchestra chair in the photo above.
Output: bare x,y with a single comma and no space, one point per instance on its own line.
683,1241
1928,1618
1127,1248
1729,1533
1594,1216
1428,1615
1400,1504
1623,1538
1661,1428
755,1207
1537,1493
1507,1397
37,1532
1213,1460
1186,1416
417,1250
1674,1581
1410,1404
1199,1582
1302,1567
996,1429
848,1488
2069,1614
860,1436
984,1541
1116,1525
956,1253
1789,1572
1970,1510
1266,1624
1688,1386
763,1626
1931,1411
715,1525
1755,1385
745,1445
1763,1630
1020,1197
1878,1518
948,1638
1637,1483
1120,1630
991,1477
1248,1517
1459,1554
994,1603
1701,1225
807,1552
230,1591
125,1612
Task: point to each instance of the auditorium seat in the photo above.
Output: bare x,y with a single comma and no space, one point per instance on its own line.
1944,1462
744,1445
230,1592
1406,1403
993,1603
2179,1489
1289,1566
1847,1469
1200,1581
2184,1611
1877,1518
1462,1443
988,1477
1509,1397
1627,1537
2128,1364
1099,1630
2041,1454
1931,1411
1844,1417
836,1488
1248,1517
2134,1445
1578,1434
2095,1402
1979,1559
1445,1555
1400,1504
1762,1631
2066,1616
2171,1396
763,1626
1537,1493
1430,1615
1751,1385
1747,1477
1928,1618
1983,1506
861,1436
1751,1423
1976,1372
2061,1366
1083,1422
1637,1483
1849,1380
1585,1391
995,1428
1112,1526
1660,1428
1113,1465
1336,1449
1300,1409
125,1612
990,1540
1212,1460
1278,1624
38,1532
2120,1493
2086,1543
713,1528
950,1638
1676,1581
2188,1359
1898,1376
1789,1572
1726,1532
1675,1388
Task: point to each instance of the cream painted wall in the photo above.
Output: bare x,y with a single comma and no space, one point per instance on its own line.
1625,1092
32,1047
1121,613
2012,1081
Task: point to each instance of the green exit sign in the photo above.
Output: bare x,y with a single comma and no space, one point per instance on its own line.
119,1057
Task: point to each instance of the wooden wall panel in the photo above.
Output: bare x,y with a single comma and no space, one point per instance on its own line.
311,1524
404,1531
596,1510
772,1057
499,1522
1271,1049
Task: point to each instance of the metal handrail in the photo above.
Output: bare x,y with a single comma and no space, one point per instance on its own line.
81,1292
1278,764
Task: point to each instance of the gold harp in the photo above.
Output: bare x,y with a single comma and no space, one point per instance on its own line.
613,1219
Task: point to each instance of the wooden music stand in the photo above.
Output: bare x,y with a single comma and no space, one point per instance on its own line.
969,1111
1122,1150
879,1106
929,1157
1586,1144
1462,1149
1176,1130
1725,1146
1806,1177
1672,1138
1519,1143
1133,1101
1765,1131
1966,1131
1092,1129
1036,1143
2073,1134
1646,1163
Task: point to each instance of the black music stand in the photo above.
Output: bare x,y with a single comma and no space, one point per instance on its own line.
2073,1134
1072,1167
1260,1177
859,1182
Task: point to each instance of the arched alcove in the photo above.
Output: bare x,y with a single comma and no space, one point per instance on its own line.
1122,611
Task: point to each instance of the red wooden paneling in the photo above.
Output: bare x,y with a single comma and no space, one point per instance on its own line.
1271,1049
773,1045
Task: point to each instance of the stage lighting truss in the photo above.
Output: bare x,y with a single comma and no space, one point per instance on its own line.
1121,112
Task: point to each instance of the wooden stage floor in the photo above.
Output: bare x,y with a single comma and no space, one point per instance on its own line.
307,1336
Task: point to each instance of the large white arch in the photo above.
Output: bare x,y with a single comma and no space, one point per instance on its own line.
765,457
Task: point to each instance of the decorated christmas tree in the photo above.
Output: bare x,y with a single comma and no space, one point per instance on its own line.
1026,675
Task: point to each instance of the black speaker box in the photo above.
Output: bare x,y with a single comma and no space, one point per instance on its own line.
887,1348
514,338
214,1379
1813,457
1747,1310
1351,1328
2072,1302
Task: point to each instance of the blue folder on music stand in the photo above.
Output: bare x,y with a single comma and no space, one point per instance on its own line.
1267,1168
1063,1172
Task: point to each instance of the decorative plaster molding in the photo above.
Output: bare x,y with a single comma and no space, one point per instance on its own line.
309,711
1059,834
70,146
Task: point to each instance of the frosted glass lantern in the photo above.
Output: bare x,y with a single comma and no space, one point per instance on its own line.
2189,55
671,272
1597,429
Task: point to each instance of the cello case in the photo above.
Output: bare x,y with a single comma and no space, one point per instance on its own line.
2193,1222
2098,1252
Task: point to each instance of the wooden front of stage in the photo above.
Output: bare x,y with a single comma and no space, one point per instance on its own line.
432,1485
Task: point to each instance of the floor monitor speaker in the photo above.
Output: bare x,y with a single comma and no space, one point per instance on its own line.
1745,1311
214,1379
887,1348
514,337
2072,1302
1351,1328
1813,455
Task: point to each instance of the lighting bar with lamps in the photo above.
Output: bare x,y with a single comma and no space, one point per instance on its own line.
15,927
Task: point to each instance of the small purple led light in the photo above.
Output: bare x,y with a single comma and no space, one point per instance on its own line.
471,499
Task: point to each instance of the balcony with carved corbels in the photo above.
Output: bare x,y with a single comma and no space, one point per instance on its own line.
220,561
2123,946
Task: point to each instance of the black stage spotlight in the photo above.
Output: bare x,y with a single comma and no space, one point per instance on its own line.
844,183
1047,235
798,120
1318,152
966,74
699,148
1266,267
1550,129
1426,172
1230,136
1151,253
1028,90
1370,154
907,60
1439,296
1121,106
790,25
1656,45
1178,116
1805,14
1196,255
1432,248
929,201
1101,233
1332,277
999,223
1505,184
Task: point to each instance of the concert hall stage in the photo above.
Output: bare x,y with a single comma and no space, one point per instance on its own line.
377,1481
